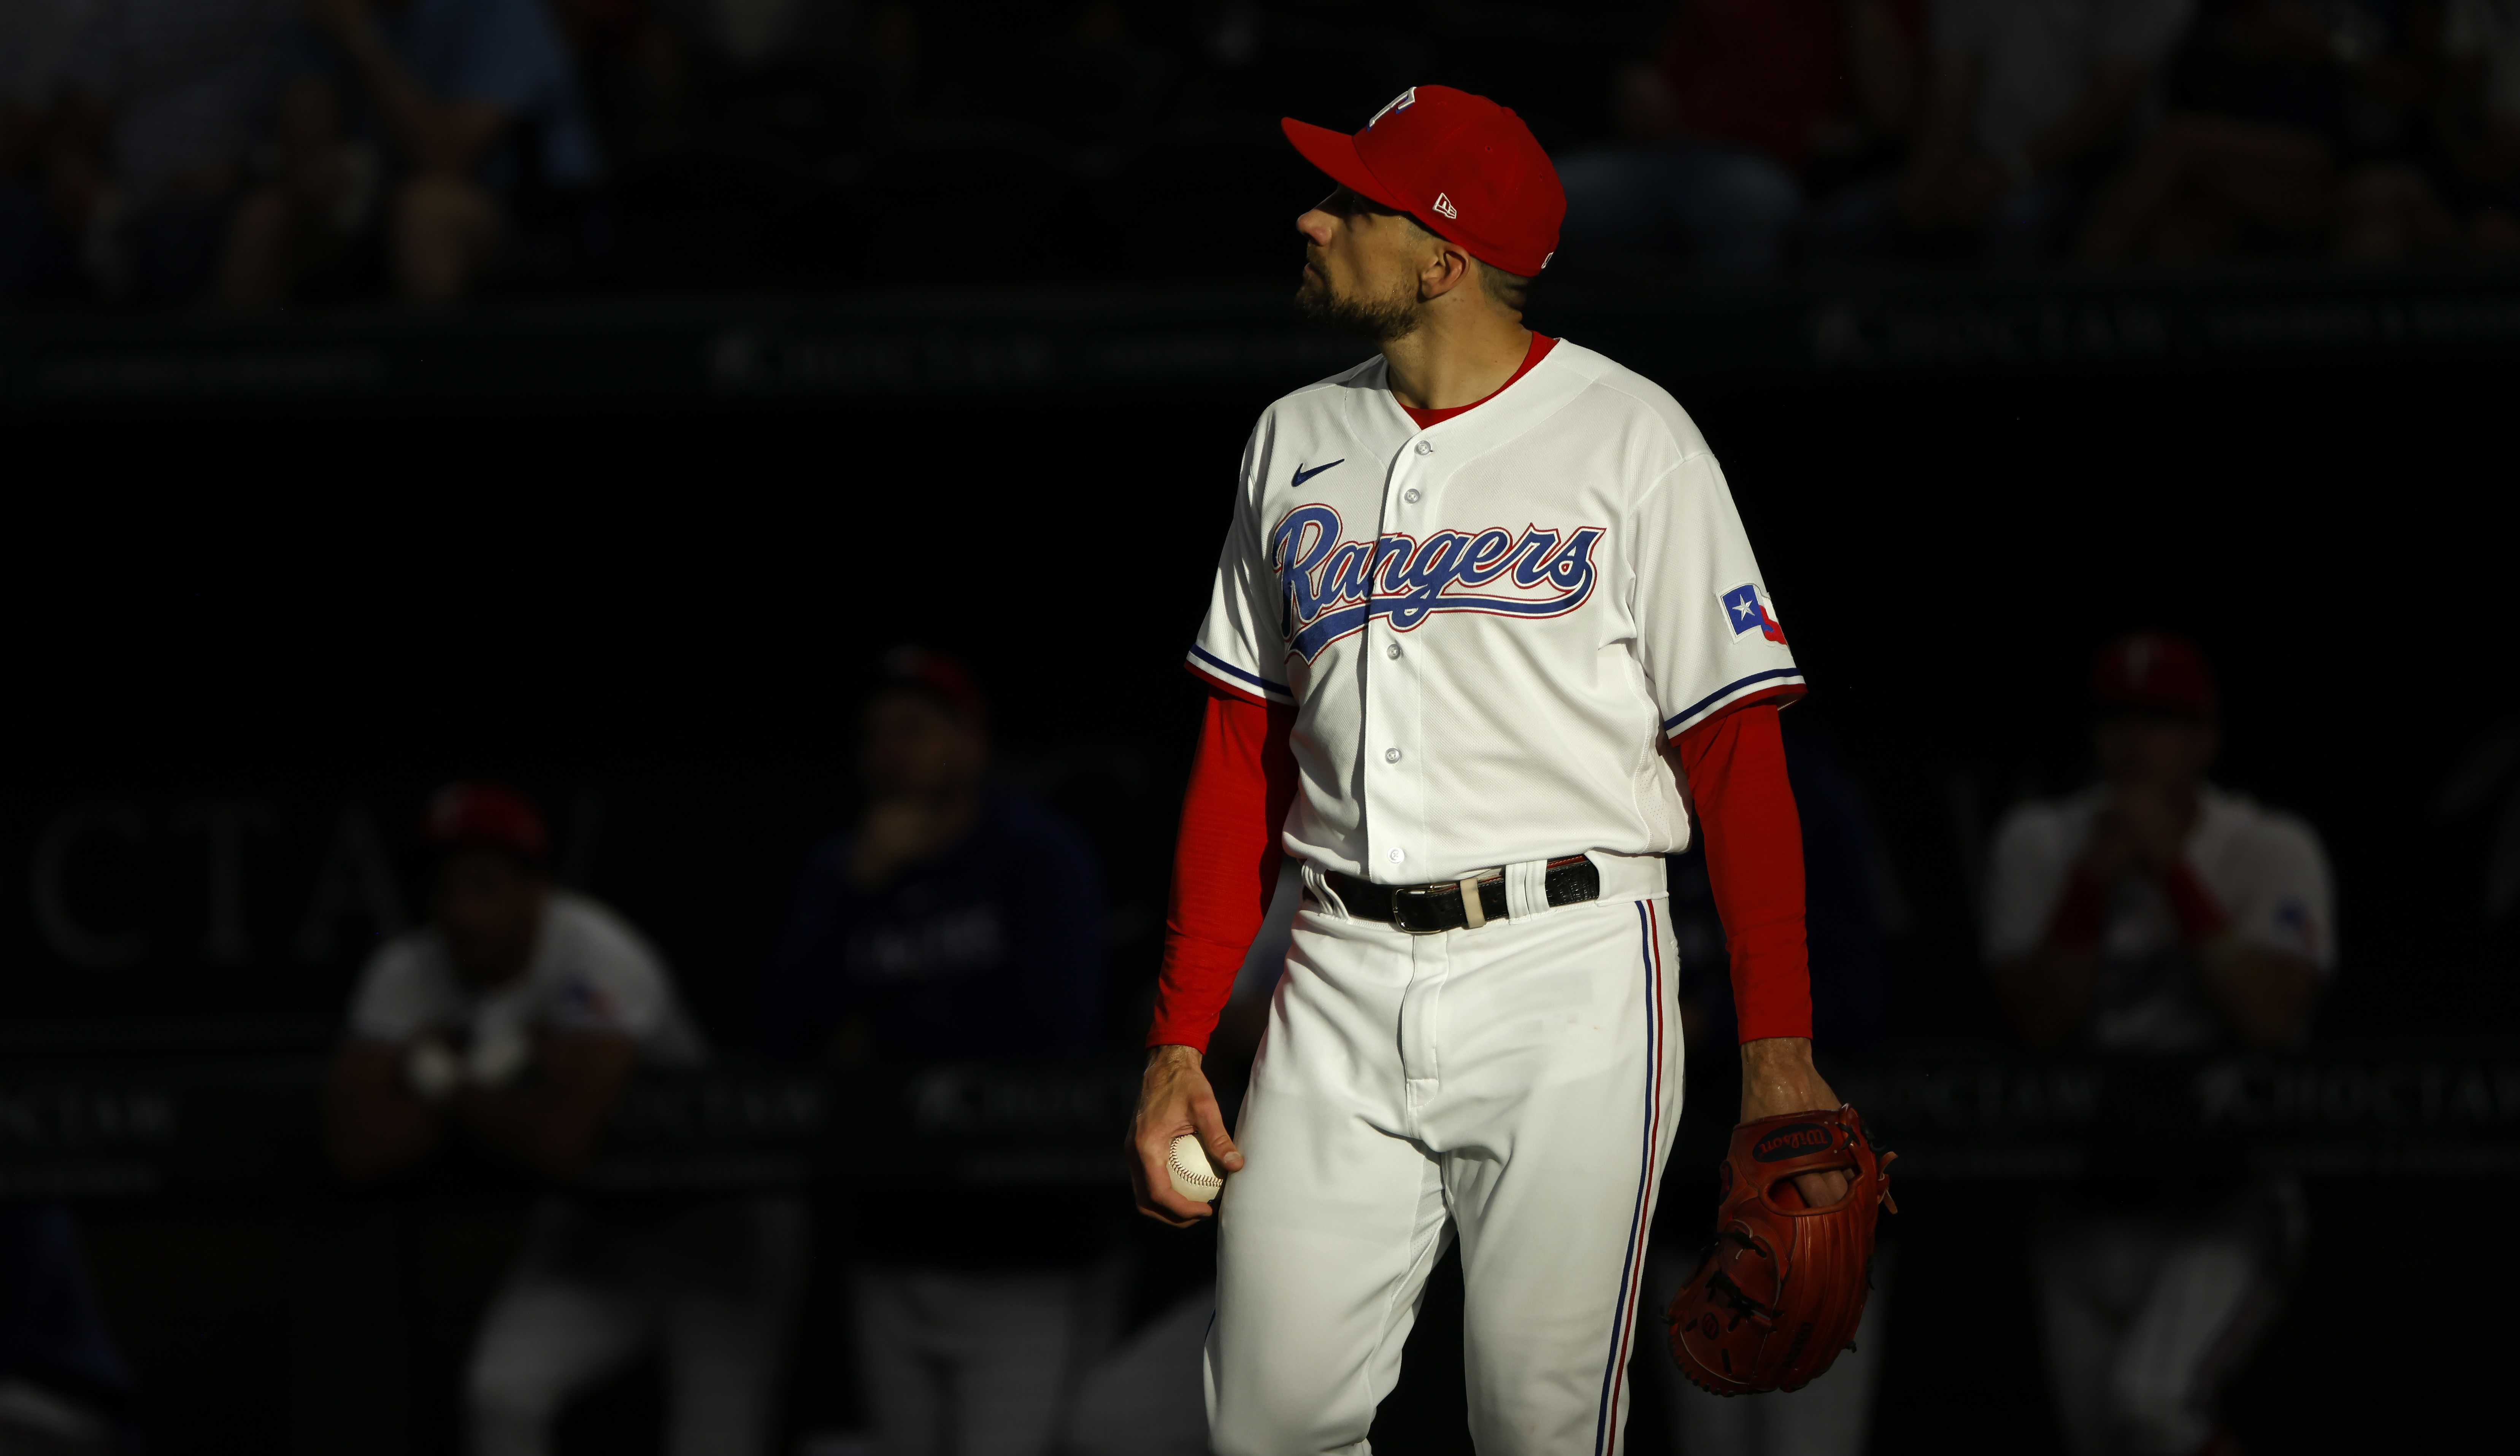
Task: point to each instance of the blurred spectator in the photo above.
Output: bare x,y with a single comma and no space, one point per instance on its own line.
1734,138
2295,128
1847,902
39,248
2026,101
513,1022
2481,44
955,923
423,126
161,104
2154,913
63,1390
632,69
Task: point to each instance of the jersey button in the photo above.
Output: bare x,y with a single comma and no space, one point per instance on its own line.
1410,495
1425,447
1391,755
1399,854
1392,651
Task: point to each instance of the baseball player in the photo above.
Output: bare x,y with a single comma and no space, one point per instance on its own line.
513,1021
1485,631
2154,913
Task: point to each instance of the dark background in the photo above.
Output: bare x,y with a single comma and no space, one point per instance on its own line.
633,537
664,625
662,622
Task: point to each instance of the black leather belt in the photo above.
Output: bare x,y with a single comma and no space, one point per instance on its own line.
1426,909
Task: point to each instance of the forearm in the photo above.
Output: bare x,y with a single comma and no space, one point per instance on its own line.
1736,769
437,137
377,1132
2265,996
1778,1077
410,116
1224,863
2094,121
310,143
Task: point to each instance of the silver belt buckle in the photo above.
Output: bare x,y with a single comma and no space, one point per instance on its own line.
1399,897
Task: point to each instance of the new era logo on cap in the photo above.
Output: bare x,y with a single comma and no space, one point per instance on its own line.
1498,196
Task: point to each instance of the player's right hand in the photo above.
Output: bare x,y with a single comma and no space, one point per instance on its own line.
1175,1098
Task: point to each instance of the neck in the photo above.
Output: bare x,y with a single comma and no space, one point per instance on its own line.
1463,352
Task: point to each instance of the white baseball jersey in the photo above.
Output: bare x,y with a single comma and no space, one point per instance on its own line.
1488,627
2265,869
590,972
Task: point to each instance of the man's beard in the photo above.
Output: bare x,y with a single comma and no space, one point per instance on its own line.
1394,316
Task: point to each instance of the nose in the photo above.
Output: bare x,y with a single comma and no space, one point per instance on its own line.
1315,225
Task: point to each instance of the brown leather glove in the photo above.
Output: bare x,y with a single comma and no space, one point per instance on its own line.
1779,1291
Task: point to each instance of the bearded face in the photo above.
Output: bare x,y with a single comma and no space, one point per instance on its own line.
1360,269
1384,315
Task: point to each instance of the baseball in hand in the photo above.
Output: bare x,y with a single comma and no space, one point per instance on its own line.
1193,1176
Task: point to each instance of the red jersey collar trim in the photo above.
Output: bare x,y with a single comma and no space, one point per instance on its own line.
1540,344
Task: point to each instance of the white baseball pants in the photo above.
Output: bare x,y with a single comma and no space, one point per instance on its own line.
712,1286
1515,1086
2146,1315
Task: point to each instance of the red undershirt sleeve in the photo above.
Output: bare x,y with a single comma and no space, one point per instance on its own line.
1736,765
1225,864
2199,915
2081,911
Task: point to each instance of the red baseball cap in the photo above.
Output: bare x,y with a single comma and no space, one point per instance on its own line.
2153,672
939,677
485,815
1462,165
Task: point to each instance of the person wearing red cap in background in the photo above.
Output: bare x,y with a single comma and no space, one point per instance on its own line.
511,1021
2154,913
1485,629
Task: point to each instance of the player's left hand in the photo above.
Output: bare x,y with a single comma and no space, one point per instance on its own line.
1777,1078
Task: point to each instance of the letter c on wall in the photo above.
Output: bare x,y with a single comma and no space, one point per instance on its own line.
78,944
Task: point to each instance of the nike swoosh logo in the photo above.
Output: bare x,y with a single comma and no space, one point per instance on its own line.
1303,474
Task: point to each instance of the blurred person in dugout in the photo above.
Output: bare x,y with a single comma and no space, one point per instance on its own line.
2027,105
513,1022
418,130
955,922
2154,913
1740,136
1850,904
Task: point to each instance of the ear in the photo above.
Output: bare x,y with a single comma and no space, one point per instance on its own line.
1445,268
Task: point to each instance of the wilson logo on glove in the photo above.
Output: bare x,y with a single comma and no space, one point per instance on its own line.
1792,1142
1781,1289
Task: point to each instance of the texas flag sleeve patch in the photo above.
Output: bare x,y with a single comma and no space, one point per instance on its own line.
1750,612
